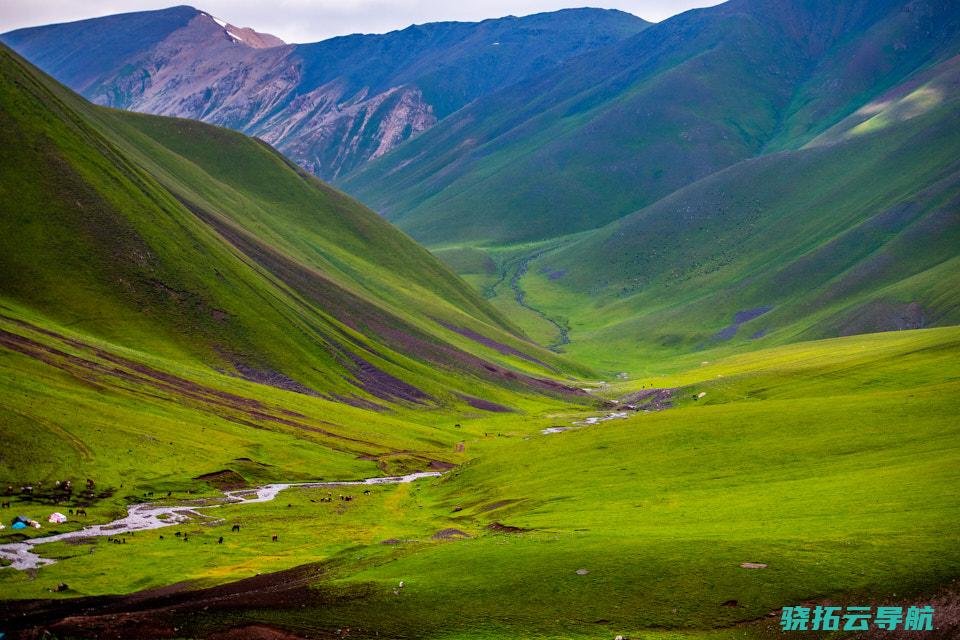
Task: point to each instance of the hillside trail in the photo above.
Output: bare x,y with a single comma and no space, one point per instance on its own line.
146,516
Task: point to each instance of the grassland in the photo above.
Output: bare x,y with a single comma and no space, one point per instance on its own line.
660,508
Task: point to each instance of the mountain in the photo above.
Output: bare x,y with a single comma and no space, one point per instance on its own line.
618,129
196,244
330,106
857,232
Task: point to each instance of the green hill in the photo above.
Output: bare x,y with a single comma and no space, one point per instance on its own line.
619,128
857,233
149,257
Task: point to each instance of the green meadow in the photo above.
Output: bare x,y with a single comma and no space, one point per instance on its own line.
660,509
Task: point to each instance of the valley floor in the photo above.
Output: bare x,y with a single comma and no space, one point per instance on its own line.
833,463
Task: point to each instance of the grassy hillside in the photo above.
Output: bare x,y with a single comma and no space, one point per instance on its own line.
622,127
660,509
852,236
178,300
182,240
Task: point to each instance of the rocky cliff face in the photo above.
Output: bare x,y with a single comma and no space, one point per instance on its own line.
329,106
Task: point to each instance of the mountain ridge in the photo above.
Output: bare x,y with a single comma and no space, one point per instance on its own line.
331,106
615,130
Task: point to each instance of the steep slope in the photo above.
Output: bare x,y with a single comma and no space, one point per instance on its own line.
197,244
330,106
618,129
859,232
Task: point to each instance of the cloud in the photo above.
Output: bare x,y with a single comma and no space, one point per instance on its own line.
312,20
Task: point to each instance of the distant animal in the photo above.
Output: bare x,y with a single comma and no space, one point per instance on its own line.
235,528
178,534
81,511
289,505
161,537
5,504
276,538
220,541
366,492
185,538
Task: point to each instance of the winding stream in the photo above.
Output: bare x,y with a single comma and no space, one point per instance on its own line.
146,516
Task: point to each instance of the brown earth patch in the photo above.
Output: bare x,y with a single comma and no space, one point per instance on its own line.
496,505
224,479
648,400
505,528
450,534
493,344
485,405
254,632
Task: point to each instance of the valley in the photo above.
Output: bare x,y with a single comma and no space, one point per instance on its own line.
601,328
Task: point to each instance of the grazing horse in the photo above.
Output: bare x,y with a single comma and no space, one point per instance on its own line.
235,528
276,538
81,512
220,541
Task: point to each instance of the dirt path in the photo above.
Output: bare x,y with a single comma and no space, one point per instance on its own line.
146,516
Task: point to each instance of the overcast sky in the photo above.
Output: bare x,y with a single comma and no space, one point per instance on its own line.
312,20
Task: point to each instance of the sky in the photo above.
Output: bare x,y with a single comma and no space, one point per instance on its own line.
313,20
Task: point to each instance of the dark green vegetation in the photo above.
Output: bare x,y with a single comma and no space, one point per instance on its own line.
855,236
330,105
618,129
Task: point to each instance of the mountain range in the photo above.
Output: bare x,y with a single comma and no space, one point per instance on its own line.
600,178
608,133
330,106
